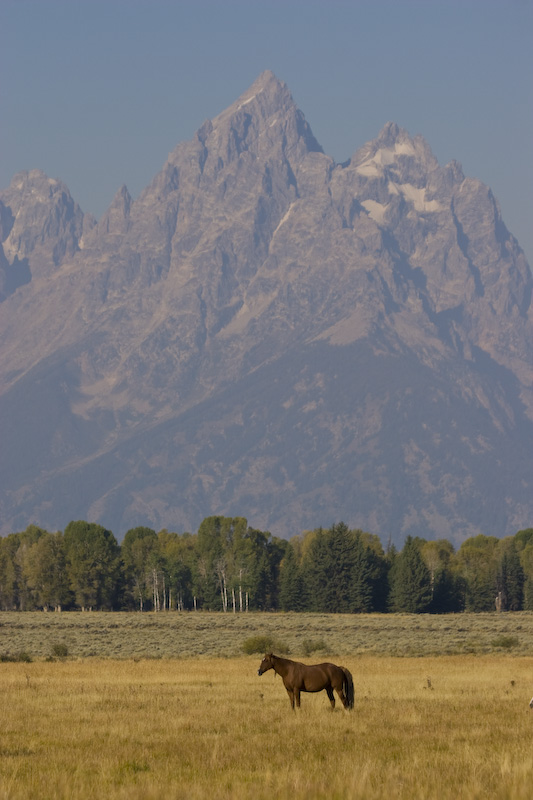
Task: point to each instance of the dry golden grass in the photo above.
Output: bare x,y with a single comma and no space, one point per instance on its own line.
435,727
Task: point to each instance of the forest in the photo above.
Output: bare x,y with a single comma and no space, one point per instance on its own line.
229,566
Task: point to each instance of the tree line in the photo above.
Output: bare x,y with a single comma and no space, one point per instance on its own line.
229,566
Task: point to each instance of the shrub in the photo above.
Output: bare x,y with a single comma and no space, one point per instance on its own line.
22,657
59,650
263,644
506,642
312,645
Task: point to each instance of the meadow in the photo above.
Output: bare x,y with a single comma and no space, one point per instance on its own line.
117,718
204,634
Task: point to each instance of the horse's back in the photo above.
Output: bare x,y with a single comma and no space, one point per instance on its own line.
332,670
316,677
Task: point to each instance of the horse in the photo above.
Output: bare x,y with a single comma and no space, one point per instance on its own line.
299,677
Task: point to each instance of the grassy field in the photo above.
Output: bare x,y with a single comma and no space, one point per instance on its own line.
434,727
152,707
186,635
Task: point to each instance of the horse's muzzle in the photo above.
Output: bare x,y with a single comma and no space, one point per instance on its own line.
259,672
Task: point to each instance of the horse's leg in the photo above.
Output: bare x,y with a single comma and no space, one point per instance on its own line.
331,696
297,697
291,698
342,697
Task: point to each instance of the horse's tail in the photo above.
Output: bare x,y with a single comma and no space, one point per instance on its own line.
348,688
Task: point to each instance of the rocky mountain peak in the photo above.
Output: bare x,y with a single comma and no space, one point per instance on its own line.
266,332
269,90
115,219
266,97
44,222
262,119
390,134
395,152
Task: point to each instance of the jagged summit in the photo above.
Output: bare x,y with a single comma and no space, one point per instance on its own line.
392,146
267,333
391,133
264,117
267,84
115,219
267,95
40,220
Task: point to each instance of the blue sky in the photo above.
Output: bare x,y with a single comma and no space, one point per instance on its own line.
97,92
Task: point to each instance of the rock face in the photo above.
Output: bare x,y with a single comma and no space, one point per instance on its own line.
266,333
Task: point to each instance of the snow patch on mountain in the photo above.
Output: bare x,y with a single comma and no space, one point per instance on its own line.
416,196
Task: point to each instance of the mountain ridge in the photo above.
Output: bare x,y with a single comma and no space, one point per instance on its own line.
251,246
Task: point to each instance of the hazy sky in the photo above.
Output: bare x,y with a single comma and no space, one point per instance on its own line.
97,92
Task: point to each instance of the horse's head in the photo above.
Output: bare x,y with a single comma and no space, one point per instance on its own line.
266,664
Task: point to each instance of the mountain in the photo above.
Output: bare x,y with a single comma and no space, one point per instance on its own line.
266,333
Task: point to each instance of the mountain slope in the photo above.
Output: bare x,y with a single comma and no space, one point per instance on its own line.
267,333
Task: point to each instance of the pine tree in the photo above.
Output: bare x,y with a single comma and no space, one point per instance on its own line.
292,591
447,595
340,565
411,582
510,579
528,594
363,578
315,570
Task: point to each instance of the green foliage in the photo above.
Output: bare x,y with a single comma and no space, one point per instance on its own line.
410,580
511,578
447,590
46,573
293,595
59,650
342,572
228,565
264,644
523,538
310,646
21,657
505,642
477,563
139,556
93,560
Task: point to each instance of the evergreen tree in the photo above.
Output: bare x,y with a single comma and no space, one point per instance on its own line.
315,569
276,549
340,565
528,594
411,582
510,579
447,592
293,595
378,569
523,542
363,584
263,569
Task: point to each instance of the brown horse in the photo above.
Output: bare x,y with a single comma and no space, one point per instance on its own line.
306,678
